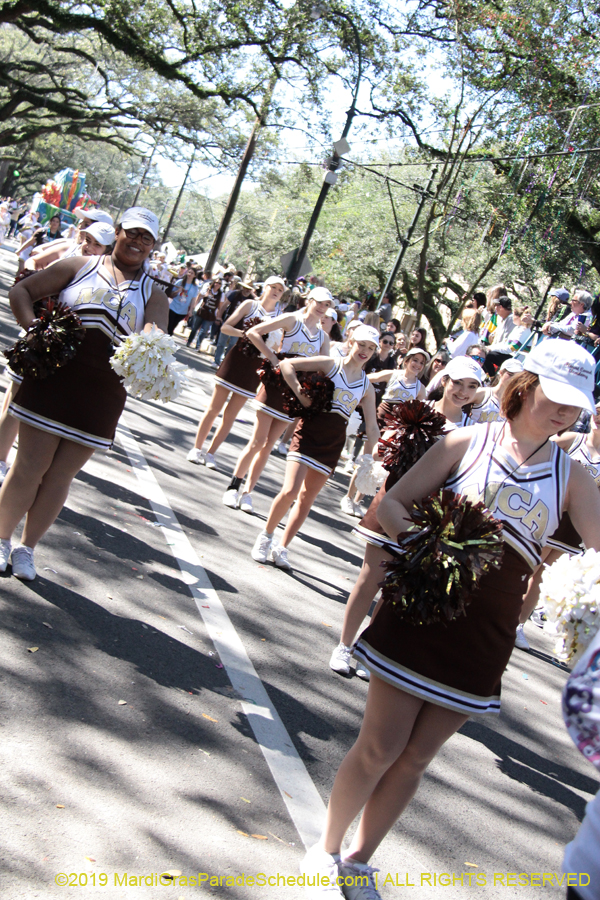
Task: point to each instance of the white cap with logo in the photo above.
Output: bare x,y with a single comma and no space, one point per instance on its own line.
139,217
566,372
94,215
464,367
103,233
366,333
320,294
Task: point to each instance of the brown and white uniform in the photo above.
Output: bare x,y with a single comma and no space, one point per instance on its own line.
459,664
83,400
318,441
297,341
239,371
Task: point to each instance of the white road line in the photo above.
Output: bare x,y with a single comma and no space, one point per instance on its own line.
297,789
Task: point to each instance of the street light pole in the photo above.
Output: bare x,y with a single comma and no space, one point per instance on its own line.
405,241
333,164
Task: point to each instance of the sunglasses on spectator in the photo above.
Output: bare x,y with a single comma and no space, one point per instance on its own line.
135,234
480,359
389,343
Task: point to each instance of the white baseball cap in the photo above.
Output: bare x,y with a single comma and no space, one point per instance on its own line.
366,333
464,367
566,373
332,314
514,366
274,279
94,215
415,350
103,233
320,294
354,323
139,217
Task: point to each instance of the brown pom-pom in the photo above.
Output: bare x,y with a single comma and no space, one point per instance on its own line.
416,426
244,343
452,544
269,375
315,385
51,341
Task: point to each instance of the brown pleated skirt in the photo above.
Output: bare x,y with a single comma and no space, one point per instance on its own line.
239,372
81,401
318,442
458,664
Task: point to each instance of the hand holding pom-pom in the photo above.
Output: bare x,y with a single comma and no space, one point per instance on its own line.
314,387
442,558
146,364
51,341
370,475
245,344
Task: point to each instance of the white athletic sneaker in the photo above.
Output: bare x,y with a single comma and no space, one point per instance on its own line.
538,617
196,456
340,659
245,503
3,470
318,867
5,547
520,640
282,449
364,880
279,556
358,510
209,461
231,498
262,546
22,563
347,506
362,673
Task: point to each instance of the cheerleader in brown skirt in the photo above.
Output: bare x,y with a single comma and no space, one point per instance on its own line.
236,379
460,385
425,686
318,441
74,410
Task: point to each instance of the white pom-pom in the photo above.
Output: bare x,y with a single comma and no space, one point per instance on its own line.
146,363
570,593
273,339
370,475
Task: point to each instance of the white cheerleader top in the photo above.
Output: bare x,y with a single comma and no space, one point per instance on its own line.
96,299
398,391
581,452
528,499
488,410
346,395
298,341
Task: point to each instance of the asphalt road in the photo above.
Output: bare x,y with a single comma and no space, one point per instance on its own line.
147,594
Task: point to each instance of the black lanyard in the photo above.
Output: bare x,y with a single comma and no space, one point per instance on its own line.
512,472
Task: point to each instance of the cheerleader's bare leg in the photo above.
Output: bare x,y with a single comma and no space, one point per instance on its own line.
260,460
294,476
230,414
217,402
399,737
258,441
38,483
311,485
363,593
